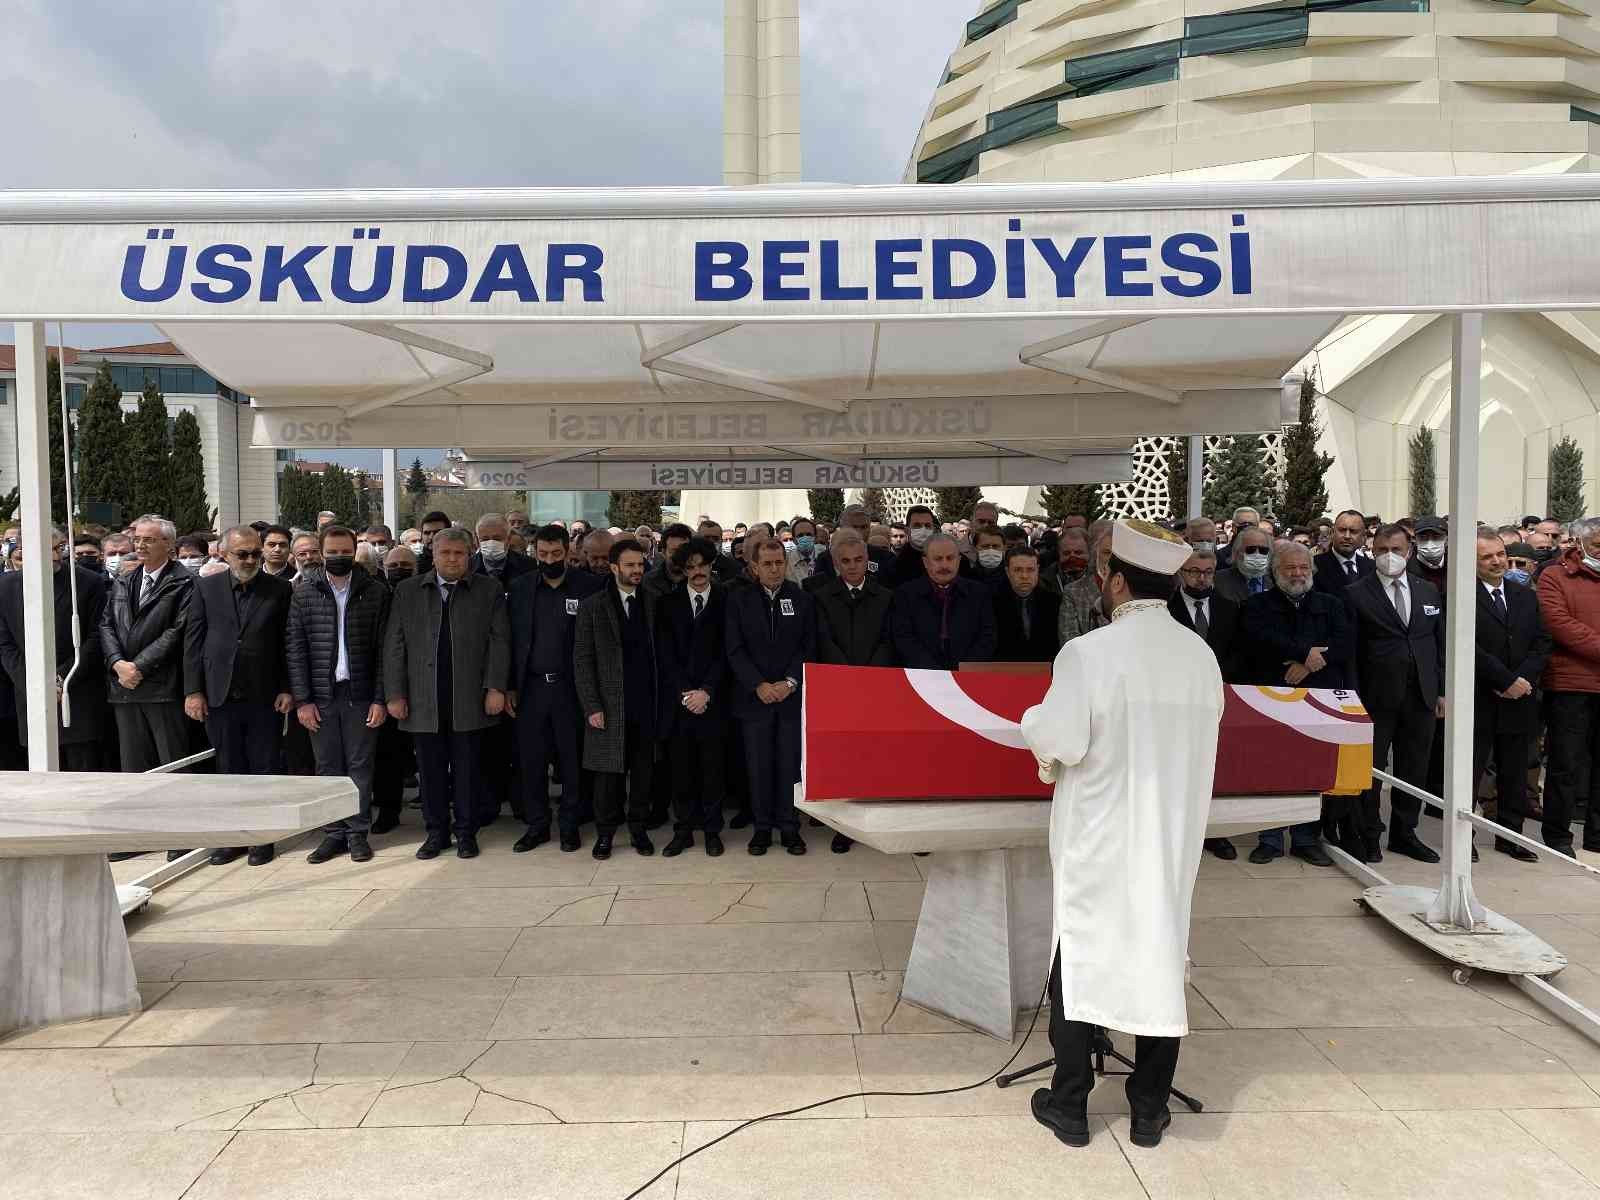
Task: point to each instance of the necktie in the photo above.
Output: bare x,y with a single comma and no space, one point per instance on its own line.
1499,604
1027,620
1350,569
449,590
1257,586
1401,608
627,609
699,605
1201,625
145,589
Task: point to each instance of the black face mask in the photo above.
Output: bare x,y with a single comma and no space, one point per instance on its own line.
91,563
1197,593
553,570
338,565
396,574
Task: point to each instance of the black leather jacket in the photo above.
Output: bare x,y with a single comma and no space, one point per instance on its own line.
152,641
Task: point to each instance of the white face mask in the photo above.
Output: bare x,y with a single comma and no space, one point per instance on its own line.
1203,547
492,550
990,559
1431,553
1391,565
415,547
919,536
193,562
1253,563
113,563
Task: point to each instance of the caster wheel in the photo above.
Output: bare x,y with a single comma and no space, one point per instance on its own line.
1462,975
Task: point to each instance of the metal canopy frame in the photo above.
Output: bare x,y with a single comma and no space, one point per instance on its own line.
1529,276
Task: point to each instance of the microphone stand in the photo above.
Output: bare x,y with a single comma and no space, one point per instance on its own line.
1100,1049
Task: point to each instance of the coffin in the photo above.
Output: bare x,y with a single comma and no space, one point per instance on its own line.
955,735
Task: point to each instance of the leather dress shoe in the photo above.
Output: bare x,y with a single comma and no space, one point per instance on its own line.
1313,854
385,821
123,855
713,845
794,843
530,841
467,846
1147,1133
602,846
432,845
1264,853
741,819
360,848
224,855
841,844
679,843
329,847
1373,855
260,856
1072,1129
1591,847
642,845
760,842
1404,842
1562,848
571,842
1520,853
1222,848
175,855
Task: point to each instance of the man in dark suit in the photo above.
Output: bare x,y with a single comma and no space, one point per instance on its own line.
1292,635
857,519
236,675
544,698
1513,646
614,661
1343,564
771,635
1215,618
852,617
1248,572
79,742
1399,627
446,662
141,635
1025,614
942,620
499,753
695,695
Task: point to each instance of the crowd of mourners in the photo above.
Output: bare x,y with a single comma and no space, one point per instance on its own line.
566,675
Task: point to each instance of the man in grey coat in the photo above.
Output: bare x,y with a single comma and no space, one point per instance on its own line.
614,667
446,660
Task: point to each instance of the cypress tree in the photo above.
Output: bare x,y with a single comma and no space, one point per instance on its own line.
1178,479
363,509
1305,489
826,504
876,501
416,487
1566,481
151,489
955,503
58,475
338,495
187,475
299,497
1423,485
1238,479
1072,500
102,474
629,509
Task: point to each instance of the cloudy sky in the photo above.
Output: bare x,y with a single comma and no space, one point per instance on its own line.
350,93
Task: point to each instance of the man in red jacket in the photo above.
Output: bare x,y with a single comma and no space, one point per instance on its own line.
1569,598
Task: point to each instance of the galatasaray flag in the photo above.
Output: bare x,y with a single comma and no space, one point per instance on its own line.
956,735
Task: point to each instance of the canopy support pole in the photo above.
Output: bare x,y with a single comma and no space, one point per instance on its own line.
38,581
1197,475
391,493
1455,904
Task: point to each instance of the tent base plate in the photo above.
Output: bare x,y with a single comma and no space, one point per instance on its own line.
1498,944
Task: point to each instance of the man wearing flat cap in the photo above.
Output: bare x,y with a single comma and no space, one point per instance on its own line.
1128,735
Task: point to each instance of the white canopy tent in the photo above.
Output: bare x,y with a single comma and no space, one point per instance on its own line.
572,338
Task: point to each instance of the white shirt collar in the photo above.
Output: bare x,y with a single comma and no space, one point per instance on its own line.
626,593
689,587
772,593
155,575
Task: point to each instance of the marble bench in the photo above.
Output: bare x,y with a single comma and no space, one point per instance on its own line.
63,949
982,945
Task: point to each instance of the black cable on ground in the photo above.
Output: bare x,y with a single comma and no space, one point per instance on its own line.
999,1071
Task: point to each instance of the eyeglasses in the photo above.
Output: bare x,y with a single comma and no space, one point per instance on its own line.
1198,572
246,555
148,541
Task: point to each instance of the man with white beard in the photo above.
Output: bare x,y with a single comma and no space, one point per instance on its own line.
1128,734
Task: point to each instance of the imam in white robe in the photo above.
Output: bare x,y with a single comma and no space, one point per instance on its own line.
1130,723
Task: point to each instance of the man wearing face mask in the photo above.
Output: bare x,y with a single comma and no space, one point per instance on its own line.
543,700
395,756
805,560
1080,610
907,565
1432,542
495,559
1399,628
192,552
1344,564
86,553
989,552
79,742
1201,534
1248,576
236,678
1569,600
1070,562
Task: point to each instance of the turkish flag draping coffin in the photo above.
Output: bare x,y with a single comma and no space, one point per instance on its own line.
886,733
